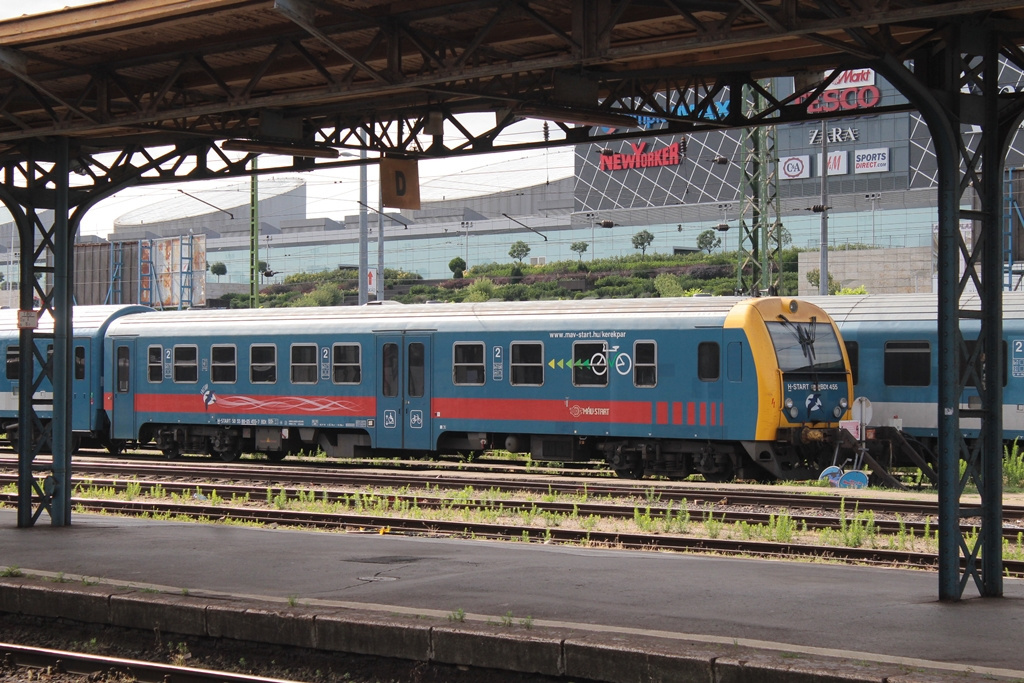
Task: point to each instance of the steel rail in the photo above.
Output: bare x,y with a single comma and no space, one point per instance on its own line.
649,490
370,523
64,661
806,515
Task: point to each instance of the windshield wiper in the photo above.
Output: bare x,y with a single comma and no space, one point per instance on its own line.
804,334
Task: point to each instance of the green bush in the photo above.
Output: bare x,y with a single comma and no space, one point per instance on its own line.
1013,467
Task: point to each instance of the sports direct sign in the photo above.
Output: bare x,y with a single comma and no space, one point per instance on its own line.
871,160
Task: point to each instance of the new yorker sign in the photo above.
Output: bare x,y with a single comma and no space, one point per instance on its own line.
641,158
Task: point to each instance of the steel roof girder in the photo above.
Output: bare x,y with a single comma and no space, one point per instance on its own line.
303,14
15,63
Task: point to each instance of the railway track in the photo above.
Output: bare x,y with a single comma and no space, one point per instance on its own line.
307,475
46,664
643,515
748,507
382,524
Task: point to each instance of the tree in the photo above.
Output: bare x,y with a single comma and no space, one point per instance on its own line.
218,269
458,267
642,240
519,250
580,248
708,241
814,278
785,239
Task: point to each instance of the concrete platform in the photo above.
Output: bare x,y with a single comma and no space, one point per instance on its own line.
584,614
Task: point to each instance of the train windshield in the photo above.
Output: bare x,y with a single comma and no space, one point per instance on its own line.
806,346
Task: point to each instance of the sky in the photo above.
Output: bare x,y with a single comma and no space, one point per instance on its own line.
335,194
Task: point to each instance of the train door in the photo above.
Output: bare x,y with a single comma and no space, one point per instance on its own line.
122,412
403,390
83,401
736,392
711,360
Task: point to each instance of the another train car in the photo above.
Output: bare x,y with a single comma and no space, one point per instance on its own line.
892,343
89,325
718,386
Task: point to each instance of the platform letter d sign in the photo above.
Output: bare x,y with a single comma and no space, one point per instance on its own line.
400,183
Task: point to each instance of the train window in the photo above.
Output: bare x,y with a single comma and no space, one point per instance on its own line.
971,380
347,364
527,362
186,363
908,364
263,363
708,361
124,365
389,370
468,364
14,360
645,364
853,353
79,362
416,368
304,363
155,361
590,364
223,364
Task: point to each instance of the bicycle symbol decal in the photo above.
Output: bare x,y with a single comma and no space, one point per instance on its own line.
622,362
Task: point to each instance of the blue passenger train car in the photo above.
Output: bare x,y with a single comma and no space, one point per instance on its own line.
719,386
89,325
892,343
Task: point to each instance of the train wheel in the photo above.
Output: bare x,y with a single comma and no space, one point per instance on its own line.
229,455
629,473
275,456
115,447
171,452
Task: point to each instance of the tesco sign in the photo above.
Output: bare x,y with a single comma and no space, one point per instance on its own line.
851,90
871,160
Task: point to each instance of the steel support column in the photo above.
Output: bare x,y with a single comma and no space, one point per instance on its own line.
956,88
41,181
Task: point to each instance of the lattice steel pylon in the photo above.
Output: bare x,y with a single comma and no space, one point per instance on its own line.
758,269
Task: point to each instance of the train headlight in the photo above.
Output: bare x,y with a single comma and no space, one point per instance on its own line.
843,403
793,411
789,403
838,411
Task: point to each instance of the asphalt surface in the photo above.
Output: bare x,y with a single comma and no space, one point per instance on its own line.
880,615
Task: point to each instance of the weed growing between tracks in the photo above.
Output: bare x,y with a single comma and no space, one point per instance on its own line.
545,511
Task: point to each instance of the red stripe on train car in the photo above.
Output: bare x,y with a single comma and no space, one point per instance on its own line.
703,414
677,413
662,409
714,414
625,412
691,413
263,405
